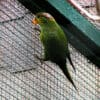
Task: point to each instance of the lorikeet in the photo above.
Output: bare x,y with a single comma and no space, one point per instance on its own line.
54,41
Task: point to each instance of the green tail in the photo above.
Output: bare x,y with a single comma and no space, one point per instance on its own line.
67,74
69,58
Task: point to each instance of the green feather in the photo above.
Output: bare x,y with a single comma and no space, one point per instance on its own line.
55,43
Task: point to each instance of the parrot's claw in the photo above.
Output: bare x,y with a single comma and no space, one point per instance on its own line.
40,59
37,29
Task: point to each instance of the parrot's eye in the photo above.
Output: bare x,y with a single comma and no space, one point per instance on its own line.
43,19
38,16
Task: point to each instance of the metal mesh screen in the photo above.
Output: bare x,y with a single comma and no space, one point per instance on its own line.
22,77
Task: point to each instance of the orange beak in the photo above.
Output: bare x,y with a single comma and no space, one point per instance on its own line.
35,21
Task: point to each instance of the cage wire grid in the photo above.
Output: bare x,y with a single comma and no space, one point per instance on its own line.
22,77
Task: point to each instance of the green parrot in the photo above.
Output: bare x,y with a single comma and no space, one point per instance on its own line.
54,42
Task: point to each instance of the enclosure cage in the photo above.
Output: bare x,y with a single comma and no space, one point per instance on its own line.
22,77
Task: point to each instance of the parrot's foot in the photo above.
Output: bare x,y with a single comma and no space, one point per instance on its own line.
37,29
40,59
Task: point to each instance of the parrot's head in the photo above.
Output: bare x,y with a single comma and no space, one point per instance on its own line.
43,19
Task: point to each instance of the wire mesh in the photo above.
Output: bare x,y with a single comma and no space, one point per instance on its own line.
22,77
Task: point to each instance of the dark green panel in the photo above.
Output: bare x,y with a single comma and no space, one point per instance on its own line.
79,21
